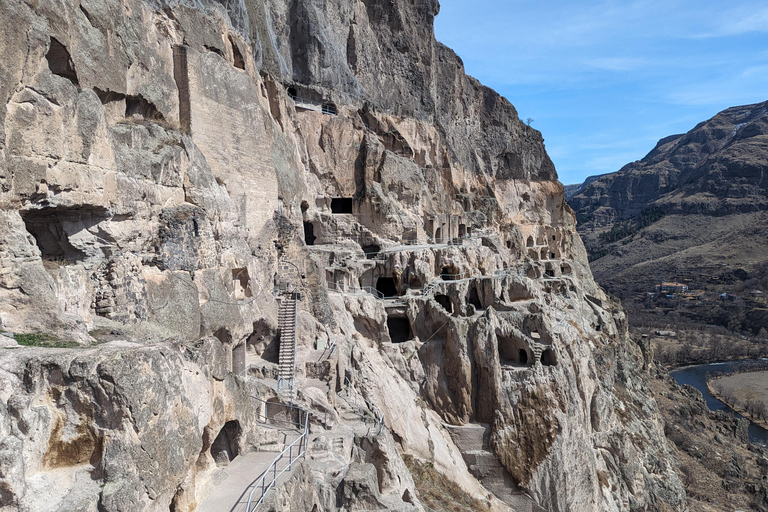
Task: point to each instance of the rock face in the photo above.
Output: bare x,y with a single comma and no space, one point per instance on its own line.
717,169
168,168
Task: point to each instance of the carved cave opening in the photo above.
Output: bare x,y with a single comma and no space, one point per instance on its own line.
386,286
60,63
529,242
445,302
548,357
371,251
399,329
462,229
139,107
565,268
309,233
341,205
513,351
474,299
53,227
225,447
449,273
241,283
239,61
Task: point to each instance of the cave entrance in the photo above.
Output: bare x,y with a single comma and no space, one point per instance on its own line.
438,235
513,351
237,58
445,302
53,227
548,357
241,283
399,329
565,268
329,109
341,205
371,251
225,447
449,274
529,242
309,233
462,230
474,299
60,63
386,286
544,254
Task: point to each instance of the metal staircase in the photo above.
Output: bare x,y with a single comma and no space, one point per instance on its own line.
286,322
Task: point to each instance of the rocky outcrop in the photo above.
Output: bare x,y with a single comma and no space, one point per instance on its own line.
694,208
168,169
715,169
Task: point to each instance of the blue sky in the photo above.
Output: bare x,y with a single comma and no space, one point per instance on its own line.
605,80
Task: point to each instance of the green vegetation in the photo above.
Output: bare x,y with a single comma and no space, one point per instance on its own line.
625,229
42,340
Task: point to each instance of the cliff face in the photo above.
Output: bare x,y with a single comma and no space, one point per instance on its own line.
717,168
166,169
693,208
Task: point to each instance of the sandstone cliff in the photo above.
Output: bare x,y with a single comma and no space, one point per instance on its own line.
168,168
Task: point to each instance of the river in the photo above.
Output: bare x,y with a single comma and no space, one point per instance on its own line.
696,376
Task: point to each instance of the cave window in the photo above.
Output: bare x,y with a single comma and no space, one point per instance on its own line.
399,329
469,231
341,205
224,448
548,357
329,109
554,237
544,253
309,233
526,196
438,235
565,268
552,255
241,281
304,206
238,60
60,63
445,302
462,230
529,242
513,351
386,286
509,244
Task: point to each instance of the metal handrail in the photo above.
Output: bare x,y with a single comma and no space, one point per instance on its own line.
373,291
325,108
267,420
378,415
262,481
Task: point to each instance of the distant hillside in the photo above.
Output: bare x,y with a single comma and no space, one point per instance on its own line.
694,209
572,190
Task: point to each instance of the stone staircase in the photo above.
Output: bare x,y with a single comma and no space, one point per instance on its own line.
286,322
472,441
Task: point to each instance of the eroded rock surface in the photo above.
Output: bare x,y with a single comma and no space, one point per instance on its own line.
168,168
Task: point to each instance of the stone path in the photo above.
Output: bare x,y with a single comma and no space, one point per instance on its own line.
233,484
